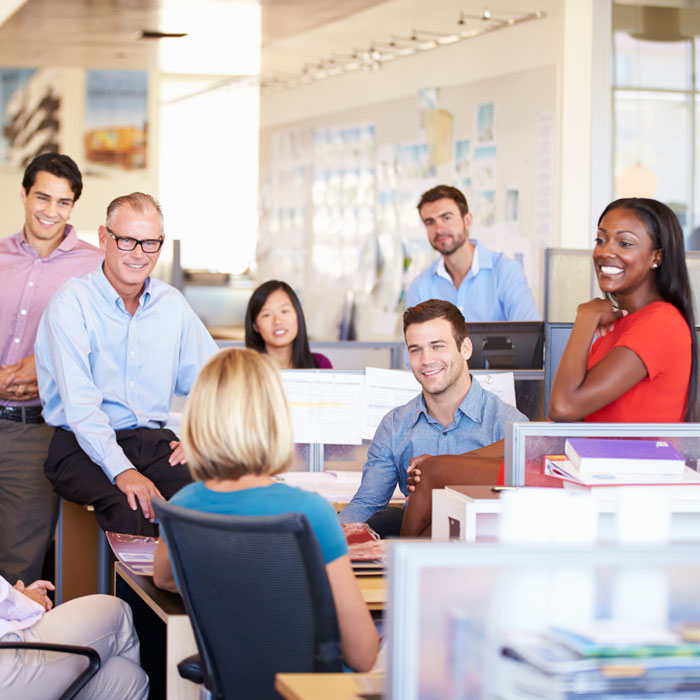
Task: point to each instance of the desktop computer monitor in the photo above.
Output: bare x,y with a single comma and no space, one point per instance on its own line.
506,344
556,337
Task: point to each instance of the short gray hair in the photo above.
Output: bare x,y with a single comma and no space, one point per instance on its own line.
138,201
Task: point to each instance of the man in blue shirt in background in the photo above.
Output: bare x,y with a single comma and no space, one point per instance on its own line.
452,414
482,284
112,349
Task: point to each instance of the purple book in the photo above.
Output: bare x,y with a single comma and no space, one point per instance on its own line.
624,456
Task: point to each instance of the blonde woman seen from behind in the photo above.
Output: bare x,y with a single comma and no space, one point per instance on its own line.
237,434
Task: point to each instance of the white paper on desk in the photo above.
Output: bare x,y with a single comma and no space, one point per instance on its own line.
325,406
335,486
326,484
385,389
500,383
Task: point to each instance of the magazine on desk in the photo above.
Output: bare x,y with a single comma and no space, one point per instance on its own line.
562,468
134,551
367,552
538,666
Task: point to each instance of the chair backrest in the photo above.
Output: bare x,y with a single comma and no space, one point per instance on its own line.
257,594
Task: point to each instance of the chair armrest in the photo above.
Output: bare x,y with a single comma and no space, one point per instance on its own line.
77,685
191,669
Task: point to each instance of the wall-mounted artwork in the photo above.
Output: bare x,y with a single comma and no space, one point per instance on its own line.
116,119
30,102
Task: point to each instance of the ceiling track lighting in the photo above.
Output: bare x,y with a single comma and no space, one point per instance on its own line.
377,53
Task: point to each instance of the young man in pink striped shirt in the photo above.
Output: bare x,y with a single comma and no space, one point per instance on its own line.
34,263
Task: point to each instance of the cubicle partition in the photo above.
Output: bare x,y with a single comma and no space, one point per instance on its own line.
569,280
454,608
527,444
350,354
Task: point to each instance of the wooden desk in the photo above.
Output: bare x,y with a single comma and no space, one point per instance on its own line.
319,686
373,589
164,630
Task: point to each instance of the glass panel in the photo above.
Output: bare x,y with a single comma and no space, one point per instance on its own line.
693,239
652,64
653,130
480,612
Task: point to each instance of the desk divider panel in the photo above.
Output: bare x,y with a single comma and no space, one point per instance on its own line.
526,444
452,607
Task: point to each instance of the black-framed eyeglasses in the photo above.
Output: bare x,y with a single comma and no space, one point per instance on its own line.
150,245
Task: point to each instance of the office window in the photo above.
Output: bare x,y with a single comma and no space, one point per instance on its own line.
652,64
656,97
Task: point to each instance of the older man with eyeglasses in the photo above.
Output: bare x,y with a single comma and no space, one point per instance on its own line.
112,349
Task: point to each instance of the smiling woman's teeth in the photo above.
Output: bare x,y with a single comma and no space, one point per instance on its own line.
608,270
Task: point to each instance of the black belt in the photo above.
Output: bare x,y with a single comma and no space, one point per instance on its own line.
21,414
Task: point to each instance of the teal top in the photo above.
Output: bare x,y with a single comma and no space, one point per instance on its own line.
275,499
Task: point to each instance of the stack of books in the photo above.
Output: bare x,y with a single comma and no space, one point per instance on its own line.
594,462
606,660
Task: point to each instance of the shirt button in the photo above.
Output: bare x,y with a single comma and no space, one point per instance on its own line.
131,383
23,312
444,434
16,340
31,284
131,353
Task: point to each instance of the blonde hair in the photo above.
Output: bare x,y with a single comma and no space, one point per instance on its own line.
237,419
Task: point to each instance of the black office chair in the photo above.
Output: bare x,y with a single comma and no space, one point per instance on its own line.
258,597
77,685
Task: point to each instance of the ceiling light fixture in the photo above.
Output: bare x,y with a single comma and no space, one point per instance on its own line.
378,53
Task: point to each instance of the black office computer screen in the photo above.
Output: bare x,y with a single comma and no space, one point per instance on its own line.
506,344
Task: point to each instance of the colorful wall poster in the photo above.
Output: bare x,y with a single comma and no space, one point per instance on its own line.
116,118
484,167
463,157
30,102
486,123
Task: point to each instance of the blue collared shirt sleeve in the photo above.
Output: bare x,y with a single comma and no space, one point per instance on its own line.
64,374
196,347
379,478
413,296
514,292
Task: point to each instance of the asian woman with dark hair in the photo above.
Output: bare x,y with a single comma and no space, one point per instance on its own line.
275,325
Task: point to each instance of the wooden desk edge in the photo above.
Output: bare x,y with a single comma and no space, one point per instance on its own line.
318,686
128,578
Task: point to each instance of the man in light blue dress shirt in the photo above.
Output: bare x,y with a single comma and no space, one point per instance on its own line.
112,349
452,415
483,284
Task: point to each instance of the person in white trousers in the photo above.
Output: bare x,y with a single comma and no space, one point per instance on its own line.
99,621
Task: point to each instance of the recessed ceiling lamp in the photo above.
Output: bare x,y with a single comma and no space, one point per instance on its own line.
148,34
